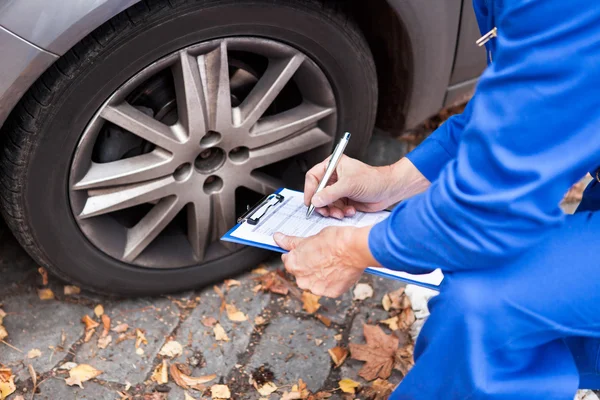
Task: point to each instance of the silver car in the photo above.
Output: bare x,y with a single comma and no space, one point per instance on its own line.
134,132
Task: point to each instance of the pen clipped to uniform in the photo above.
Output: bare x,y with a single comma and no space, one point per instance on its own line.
338,152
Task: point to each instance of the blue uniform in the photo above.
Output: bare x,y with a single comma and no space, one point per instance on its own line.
518,316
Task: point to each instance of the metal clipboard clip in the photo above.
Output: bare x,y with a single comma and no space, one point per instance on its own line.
254,214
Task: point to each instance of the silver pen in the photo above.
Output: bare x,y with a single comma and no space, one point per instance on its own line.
333,162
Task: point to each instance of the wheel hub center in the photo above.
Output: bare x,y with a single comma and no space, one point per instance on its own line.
210,160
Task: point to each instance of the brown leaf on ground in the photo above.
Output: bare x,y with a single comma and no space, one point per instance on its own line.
380,389
393,300
70,290
44,275
348,386
209,322
320,396
234,314
34,353
171,349
260,270
140,338
326,321
379,353
3,332
273,282
104,341
45,294
220,333
155,396
7,383
338,355
266,389
220,392
160,374
406,319
186,396
121,328
229,283
392,323
89,334
189,382
2,315
81,373
310,302
338,337
99,310
220,293
105,325
362,291
404,358
89,323
259,320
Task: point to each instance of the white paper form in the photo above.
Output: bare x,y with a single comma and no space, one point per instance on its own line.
289,218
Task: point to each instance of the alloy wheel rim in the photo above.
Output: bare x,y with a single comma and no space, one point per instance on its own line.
194,164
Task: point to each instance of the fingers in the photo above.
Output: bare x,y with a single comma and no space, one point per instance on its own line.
313,177
286,242
332,193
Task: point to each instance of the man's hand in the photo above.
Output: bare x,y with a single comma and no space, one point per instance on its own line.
356,186
329,263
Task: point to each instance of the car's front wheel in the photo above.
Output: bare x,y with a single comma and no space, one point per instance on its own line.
134,153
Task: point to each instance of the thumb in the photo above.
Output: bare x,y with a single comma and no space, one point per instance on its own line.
286,242
331,194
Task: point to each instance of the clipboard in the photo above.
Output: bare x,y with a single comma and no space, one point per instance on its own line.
266,211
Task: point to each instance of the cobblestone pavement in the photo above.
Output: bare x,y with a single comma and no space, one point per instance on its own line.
292,345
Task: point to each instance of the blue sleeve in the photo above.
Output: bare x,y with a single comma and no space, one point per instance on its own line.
431,156
533,132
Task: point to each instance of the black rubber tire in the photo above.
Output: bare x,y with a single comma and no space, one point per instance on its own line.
41,135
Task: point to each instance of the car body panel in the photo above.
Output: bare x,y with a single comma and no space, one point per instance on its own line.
433,30
470,60
19,70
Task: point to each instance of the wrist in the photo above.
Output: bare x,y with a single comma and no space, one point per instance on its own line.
405,180
356,245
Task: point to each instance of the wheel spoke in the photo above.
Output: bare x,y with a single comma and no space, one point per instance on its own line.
199,226
224,211
129,170
153,223
276,152
277,75
214,71
126,196
133,120
276,127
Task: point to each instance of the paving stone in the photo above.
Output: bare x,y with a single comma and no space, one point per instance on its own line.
158,317
288,349
55,388
199,341
366,315
33,323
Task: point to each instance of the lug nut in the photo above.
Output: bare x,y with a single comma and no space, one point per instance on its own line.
206,153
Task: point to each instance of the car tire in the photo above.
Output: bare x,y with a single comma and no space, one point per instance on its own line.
45,129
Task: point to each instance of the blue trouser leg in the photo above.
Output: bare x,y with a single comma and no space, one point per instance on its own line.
516,332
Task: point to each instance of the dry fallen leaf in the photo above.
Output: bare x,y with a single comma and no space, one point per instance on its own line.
273,282
68,366
171,349
318,342
404,358
34,353
139,351
89,334
320,396
44,275
380,389
260,320
220,392
140,338
105,324
348,386
326,321
234,314
260,270
310,302
338,355
379,353
293,395
70,290
81,373
362,291
186,396
209,321
338,337
2,315
89,323
229,283
220,333
299,391
3,333
393,300
45,294
161,373
392,323
189,382
120,328
19,397
406,319
267,389
104,341
99,310
7,383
